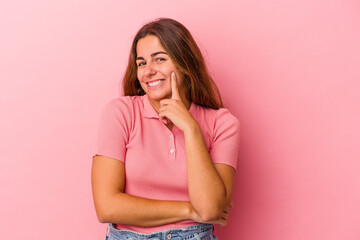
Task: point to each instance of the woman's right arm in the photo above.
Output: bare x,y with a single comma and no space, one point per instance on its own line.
114,206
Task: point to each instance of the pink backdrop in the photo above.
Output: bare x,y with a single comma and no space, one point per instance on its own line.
289,70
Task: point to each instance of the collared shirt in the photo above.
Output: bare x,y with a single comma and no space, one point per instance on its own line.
154,156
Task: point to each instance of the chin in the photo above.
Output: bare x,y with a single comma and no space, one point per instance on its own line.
157,96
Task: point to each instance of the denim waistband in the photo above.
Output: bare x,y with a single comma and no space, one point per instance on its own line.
199,231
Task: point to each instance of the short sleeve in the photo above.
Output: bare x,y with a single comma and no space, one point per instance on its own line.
226,138
114,129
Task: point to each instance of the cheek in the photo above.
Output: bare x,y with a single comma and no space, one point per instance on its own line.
164,70
139,74
180,76
167,68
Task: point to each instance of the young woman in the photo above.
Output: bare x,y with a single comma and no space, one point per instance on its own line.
167,150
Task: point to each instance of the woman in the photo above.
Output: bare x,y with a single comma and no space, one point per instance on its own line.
167,150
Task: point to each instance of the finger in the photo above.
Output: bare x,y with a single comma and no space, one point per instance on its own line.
164,102
163,119
162,115
222,222
174,87
225,216
231,204
227,209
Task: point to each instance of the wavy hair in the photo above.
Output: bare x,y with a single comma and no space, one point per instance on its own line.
186,55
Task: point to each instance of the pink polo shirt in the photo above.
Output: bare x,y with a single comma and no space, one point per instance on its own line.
154,156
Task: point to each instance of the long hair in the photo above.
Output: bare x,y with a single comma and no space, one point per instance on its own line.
186,55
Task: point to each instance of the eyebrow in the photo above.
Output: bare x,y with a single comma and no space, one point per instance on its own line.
152,55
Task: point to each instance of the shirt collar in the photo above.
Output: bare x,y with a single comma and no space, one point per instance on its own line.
149,111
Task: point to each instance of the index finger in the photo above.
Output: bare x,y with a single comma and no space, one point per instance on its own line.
174,87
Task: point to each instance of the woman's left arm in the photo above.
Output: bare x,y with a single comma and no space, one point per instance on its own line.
210,185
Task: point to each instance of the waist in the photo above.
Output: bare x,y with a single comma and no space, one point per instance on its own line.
148,230
189,232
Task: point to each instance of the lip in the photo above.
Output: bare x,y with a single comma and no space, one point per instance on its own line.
154,80
157,86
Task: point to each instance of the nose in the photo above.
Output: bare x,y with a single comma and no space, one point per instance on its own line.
149,70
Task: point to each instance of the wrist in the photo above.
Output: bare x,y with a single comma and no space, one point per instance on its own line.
192,128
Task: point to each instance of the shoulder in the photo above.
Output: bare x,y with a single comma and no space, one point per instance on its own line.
216,117
225,124
224,115
122,104
121,110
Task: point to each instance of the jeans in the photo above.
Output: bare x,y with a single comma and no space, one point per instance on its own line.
196,232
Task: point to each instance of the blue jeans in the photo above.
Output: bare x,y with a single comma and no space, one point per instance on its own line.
196,232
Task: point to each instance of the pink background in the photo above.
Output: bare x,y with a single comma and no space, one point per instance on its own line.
289,70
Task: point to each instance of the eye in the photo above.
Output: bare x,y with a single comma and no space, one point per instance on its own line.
160,59
141,64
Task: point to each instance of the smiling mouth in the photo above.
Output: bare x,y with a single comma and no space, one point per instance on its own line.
155,83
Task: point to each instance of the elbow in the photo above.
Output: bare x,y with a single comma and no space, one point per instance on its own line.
210,211
103,216
102,219
209,214
104,209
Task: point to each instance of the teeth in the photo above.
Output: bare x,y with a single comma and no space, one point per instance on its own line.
152,84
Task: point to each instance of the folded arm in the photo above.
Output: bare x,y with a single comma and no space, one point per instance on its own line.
112,205
210,185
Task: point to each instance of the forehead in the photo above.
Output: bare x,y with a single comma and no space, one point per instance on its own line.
148,45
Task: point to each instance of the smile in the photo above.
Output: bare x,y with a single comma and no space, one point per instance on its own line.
155,83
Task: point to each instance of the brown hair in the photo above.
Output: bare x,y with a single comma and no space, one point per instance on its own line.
186,55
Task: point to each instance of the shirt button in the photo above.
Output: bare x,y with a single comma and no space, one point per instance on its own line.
172,150
171,135
168,236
